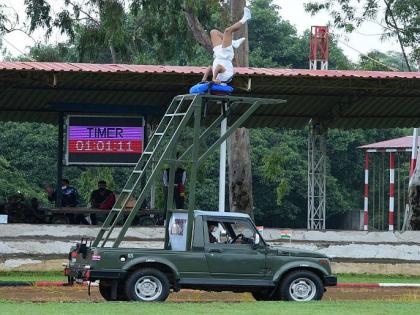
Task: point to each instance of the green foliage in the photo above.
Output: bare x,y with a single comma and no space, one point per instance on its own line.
390,59
274,42
30,148
53,53
12,181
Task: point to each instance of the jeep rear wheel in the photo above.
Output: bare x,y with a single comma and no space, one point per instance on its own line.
301,286
105,288
264,295
147,285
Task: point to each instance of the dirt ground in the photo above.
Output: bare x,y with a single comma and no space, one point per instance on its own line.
79,293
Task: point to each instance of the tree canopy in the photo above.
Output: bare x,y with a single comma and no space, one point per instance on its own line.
400,19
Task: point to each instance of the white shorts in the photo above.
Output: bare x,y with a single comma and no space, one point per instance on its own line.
228,74
223,56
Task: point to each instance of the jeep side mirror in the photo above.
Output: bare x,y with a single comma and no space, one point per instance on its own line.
257,239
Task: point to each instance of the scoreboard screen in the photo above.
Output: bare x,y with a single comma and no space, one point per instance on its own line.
103,140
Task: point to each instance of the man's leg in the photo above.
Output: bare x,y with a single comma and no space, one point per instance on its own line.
228,34
177,198
218,69
165,201
216,37
207,74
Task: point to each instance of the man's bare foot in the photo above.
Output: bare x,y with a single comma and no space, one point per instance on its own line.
217,81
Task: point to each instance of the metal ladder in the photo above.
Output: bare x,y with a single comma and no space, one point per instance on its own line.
184,110
144,173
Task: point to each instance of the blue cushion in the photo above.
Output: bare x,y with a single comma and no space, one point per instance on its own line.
203,87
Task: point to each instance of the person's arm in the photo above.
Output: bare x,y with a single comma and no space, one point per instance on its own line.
206,75
184,177
165,178
76,197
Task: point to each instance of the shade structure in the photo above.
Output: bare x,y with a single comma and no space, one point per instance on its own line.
36,91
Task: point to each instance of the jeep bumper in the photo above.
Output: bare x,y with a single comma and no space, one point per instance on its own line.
330,281
83,274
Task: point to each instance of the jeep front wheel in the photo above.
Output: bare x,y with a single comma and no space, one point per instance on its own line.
147,285
301,286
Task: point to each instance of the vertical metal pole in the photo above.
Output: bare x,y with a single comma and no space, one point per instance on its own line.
399,191
310,177
222,163
323,176
414,151
316,177
170,199
366,193
146,138
59,159
195,153
383,193
391,191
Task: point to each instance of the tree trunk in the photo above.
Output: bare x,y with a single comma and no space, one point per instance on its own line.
239,160
113,53
394,25
197,29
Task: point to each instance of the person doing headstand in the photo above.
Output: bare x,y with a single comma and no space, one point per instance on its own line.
223,54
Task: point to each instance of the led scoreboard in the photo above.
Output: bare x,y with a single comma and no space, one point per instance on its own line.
104,140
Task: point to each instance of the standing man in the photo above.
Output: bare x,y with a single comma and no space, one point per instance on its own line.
179,187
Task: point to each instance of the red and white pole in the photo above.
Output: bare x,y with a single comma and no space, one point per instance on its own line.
366,193
391,190
414,151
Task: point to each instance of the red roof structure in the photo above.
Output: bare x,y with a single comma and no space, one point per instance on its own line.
397,144
37,91
162,69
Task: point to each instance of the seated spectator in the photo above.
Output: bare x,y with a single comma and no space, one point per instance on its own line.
69,198
23,210
102,198
69,194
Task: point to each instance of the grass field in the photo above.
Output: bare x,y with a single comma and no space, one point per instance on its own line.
313,308
58,276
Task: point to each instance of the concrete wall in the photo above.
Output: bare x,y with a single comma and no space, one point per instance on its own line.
43,247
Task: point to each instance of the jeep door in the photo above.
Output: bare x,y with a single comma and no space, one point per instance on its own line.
230,258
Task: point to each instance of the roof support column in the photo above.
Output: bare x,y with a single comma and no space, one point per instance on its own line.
60,156
366,193
391,191
222,162
317,154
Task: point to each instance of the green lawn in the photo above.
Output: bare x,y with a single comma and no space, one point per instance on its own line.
32,276
313,308
378,278
58,276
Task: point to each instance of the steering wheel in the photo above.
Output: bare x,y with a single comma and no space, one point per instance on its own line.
233,240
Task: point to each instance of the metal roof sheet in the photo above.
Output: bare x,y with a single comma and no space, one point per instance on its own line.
249,71
397,143
36,91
